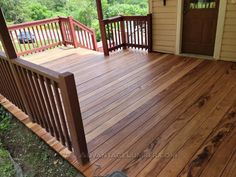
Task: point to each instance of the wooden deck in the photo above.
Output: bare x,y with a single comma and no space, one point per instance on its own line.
153,114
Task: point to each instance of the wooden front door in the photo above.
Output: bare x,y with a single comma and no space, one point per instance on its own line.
199,26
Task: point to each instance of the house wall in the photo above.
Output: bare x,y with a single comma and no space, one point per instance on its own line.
228,48
165,28
164,25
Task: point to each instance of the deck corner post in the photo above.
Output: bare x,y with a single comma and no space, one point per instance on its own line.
6,39
73,116
72,32
149,16
63,33
94,40
104,38
123,36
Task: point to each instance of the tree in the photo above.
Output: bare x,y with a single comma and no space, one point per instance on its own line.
18,11
15,10
39,12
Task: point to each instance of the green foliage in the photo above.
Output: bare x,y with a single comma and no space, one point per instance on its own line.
6,166
85,11
5,119
38,11
127,9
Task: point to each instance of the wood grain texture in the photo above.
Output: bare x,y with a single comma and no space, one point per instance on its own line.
149,114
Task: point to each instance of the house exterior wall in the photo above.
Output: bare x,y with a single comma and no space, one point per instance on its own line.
164,25
165,28
228,48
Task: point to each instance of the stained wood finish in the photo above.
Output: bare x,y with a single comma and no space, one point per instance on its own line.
199,28
50,33
153,114
126,31
47,97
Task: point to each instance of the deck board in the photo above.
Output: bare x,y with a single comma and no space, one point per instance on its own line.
147,106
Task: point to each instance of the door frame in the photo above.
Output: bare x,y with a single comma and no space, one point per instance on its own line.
219,28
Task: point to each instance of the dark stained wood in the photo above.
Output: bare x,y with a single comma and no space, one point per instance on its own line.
4,37
139,105
123,34
149,32
74,118
10,55
44,96
102,27
218,136
199,28
130,32
68,31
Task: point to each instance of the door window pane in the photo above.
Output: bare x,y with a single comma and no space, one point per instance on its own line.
202,4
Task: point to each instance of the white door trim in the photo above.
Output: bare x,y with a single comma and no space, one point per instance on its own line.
219,30
179,27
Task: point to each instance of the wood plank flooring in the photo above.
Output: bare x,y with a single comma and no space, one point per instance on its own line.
153,114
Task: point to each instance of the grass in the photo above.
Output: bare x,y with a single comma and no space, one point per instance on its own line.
6,166
34,157
5,119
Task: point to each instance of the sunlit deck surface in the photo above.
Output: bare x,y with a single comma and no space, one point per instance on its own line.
153,114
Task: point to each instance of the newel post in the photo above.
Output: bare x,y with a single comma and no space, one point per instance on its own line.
73,116
123,34
149,16
72,32
63,32
102,27
94,40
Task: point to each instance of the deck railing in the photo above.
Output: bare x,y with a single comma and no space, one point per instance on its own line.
37,36
127,31
49,98
85,36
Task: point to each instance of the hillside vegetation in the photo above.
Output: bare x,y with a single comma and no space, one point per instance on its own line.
18,11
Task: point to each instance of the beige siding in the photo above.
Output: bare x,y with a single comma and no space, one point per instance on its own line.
228,48
164,25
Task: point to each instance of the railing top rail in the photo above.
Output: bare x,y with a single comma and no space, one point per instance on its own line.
135,17
112,19
82,26
53,75
33,23
63,18
121,17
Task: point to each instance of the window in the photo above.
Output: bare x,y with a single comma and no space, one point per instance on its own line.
202,4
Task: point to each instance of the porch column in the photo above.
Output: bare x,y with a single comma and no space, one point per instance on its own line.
102,27
6,39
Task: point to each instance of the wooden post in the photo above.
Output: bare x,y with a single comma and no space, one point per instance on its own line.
149,16
63,33
94,40
73,115
102,27
122,27
11,55
6,39
72,32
